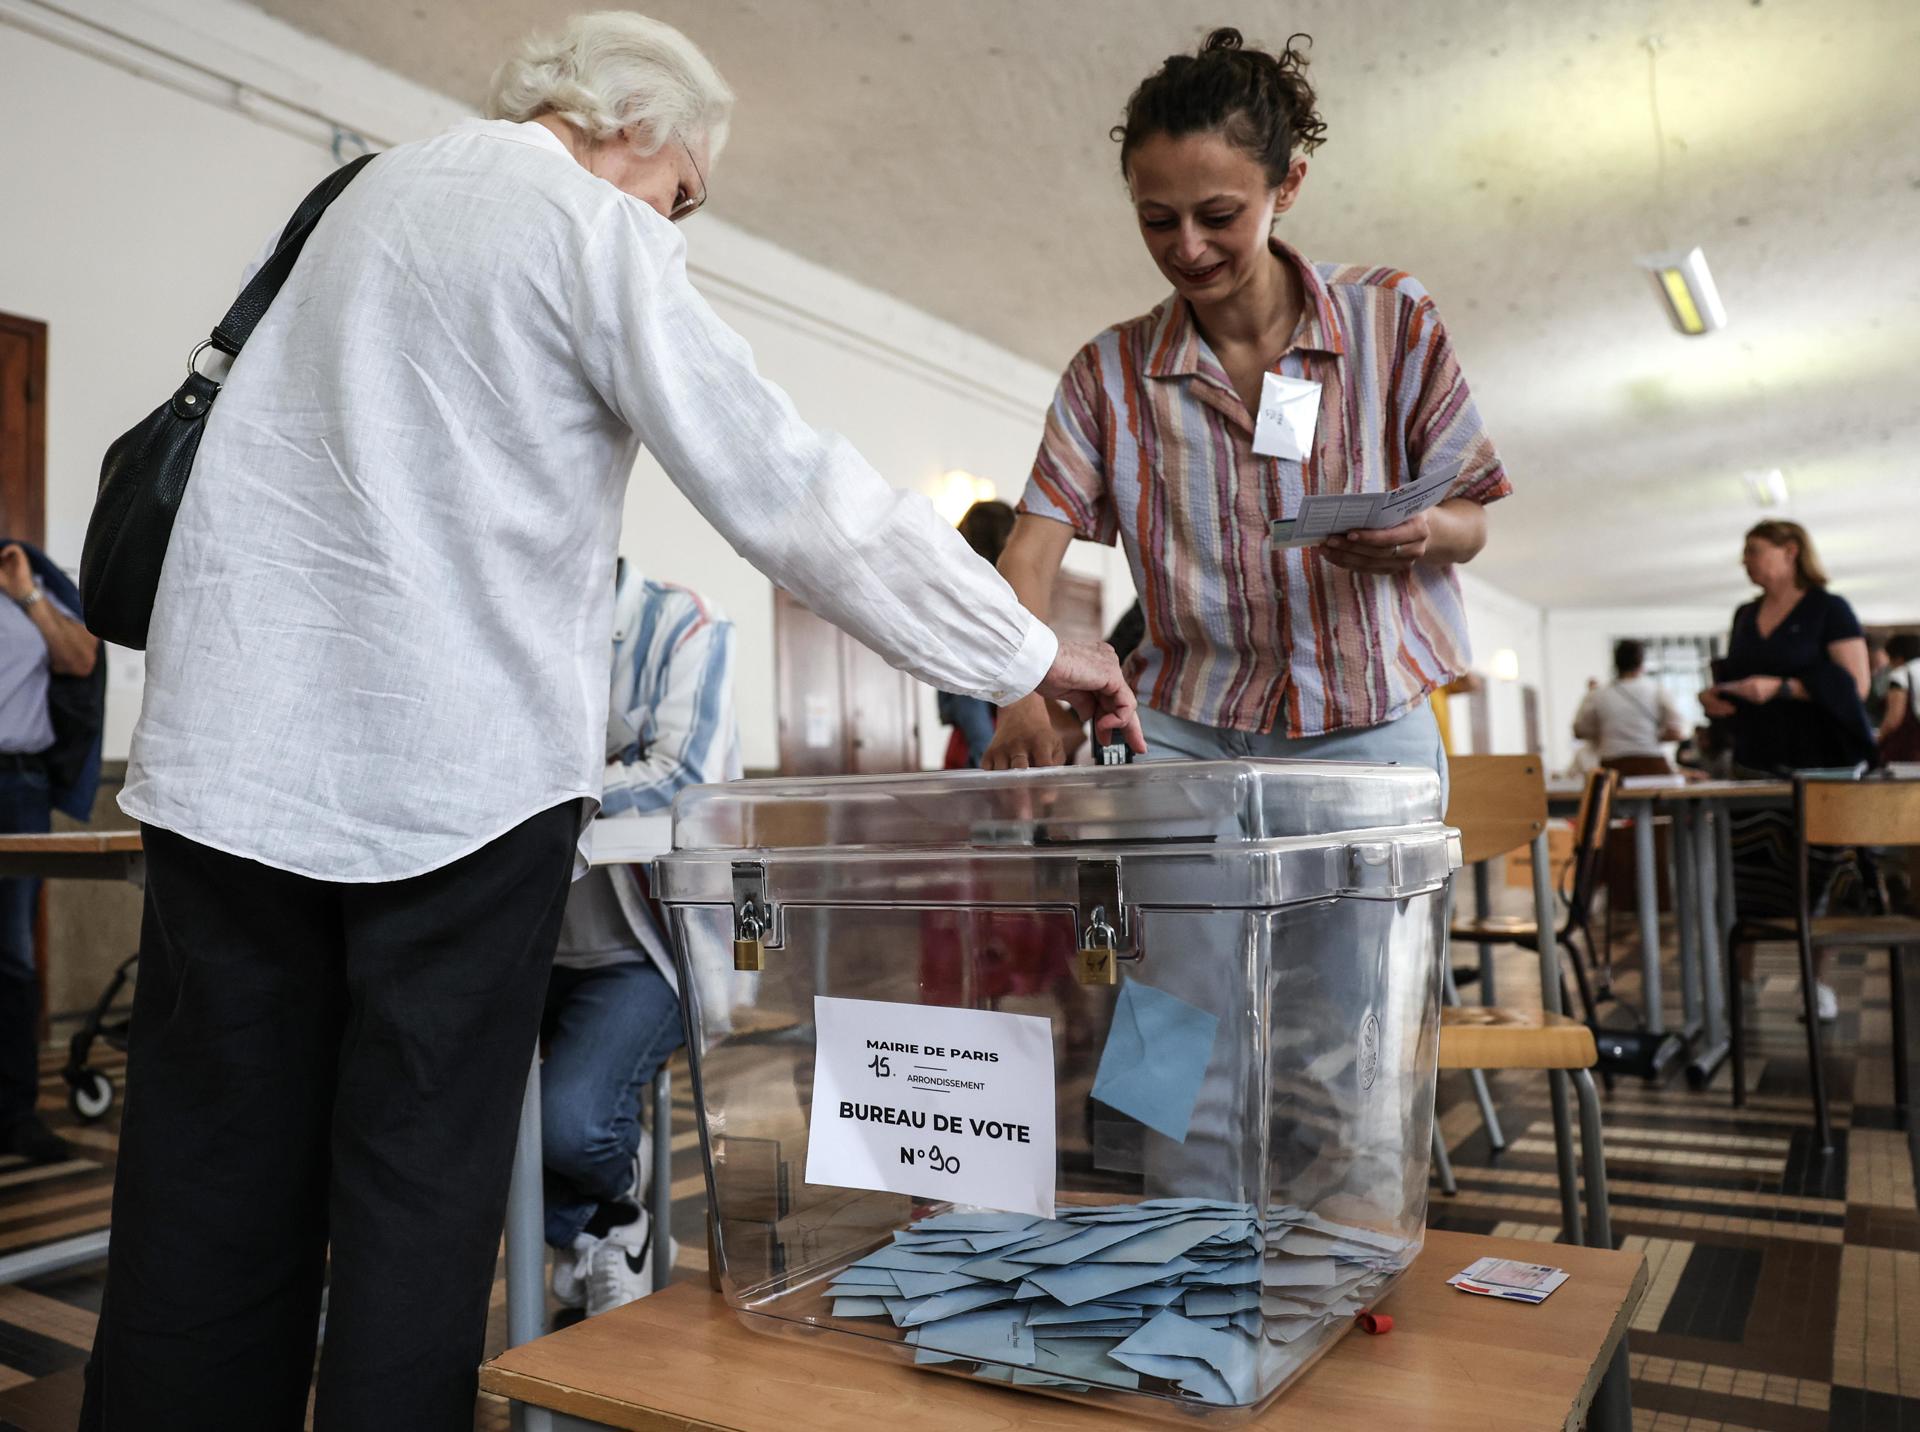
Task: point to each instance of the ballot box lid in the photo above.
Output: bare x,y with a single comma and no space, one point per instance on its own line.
1146,803
1212,832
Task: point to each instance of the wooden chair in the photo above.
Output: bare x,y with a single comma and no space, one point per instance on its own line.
1499,804
1837,813
1585,874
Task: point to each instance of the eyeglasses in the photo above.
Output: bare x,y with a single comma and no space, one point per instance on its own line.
686,205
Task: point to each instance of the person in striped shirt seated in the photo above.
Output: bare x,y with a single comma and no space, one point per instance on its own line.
1327,651
613,1006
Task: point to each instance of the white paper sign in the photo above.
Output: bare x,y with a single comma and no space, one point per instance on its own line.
954,1104
1289,411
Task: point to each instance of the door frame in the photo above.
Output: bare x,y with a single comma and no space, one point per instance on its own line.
33,527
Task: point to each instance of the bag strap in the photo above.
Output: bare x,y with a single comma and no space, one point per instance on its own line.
254,300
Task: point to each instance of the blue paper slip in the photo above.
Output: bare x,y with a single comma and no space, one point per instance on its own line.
984,1222
990,1334
925,1285
1156,1057
905,1260
859,1307
1093,1243
1091,1282
1170,1335
1158,1245
950,1305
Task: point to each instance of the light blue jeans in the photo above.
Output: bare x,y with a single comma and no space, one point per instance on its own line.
1412,740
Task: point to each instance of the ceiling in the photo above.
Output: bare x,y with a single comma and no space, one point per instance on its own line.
956,155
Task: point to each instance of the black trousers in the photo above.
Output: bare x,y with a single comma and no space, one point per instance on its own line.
315,1063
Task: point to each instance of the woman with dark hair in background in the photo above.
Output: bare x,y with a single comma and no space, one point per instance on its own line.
1249,649
1791,690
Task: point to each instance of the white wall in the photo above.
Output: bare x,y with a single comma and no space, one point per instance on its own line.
1580,645
1497,621
131,249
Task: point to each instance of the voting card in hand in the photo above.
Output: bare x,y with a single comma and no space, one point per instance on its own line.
1289,412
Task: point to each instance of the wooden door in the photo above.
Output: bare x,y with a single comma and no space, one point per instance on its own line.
882,705
842,710
23,429
1076,608
1530,717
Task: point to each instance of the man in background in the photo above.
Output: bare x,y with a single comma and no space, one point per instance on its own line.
50,705
613,1006
1631,716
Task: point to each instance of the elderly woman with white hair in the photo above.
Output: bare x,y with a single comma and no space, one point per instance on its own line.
373,728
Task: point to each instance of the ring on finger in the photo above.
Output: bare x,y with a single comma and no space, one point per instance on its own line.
1396,549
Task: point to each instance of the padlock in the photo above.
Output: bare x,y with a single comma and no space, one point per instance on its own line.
749,948
1098,966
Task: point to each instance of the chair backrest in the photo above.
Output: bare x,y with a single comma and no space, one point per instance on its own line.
1590,841
1860,812
1497,803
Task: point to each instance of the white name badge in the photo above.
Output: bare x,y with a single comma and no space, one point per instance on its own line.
1289,411
954,1104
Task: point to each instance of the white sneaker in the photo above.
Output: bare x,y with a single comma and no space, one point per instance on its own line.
1825,1005
570,1267
620,1268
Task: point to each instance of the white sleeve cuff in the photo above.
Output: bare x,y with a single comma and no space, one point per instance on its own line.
1029,666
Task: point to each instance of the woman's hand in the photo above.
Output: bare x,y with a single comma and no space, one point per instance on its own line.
1714,704
1025,736
1385,551
1755,690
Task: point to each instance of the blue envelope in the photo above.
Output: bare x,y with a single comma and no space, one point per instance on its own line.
1157,1053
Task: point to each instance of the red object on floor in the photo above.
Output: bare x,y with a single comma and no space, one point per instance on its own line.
1375,1323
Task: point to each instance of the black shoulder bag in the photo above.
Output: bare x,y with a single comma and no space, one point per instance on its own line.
145,473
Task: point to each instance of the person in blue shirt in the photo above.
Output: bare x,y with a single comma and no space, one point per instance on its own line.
613,1006
41,641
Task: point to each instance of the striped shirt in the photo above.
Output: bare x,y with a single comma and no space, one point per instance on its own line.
1147,442
670,725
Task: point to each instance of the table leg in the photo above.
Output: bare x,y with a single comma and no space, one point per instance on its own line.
1558,1087
1686,908
526,1221
1483,906
1613,1399
1646,899
1707,884
662,1178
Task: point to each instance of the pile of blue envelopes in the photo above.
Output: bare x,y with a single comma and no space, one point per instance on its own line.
1175,1290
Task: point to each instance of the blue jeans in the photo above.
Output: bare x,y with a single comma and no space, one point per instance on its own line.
608,1031
1411,740
25,809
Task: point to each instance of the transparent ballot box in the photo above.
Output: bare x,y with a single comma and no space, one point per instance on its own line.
1114,1083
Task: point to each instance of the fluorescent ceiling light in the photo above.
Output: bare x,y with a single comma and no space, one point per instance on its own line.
1686,288
1767,488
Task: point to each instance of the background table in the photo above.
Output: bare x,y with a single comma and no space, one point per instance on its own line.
67,855
1453,1363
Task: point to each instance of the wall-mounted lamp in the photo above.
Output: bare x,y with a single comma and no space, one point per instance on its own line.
1506,664
959,490
1687,290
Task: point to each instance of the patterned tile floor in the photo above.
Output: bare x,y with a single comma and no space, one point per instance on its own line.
1784,1290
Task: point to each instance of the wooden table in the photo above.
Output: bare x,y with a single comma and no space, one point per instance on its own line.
681,1360
67,855
1703,896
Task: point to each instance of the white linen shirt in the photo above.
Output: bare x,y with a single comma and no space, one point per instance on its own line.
380,638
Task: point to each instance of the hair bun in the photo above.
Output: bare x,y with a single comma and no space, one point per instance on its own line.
1224,38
